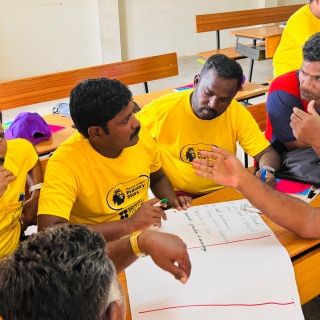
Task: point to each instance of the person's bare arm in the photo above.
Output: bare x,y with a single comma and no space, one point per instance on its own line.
162,188
168,251
30,207
292,145
146,216
289,212
48,221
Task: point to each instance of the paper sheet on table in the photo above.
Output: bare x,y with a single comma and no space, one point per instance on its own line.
239,270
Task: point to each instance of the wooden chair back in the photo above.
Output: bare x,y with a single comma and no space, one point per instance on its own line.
42,88
259,112
244,18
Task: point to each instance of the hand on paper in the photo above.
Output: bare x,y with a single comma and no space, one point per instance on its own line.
168,251
182,202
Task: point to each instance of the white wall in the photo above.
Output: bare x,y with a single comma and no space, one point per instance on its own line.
43,36
155,26
288,2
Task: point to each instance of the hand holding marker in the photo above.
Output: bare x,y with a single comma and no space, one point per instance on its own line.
162,203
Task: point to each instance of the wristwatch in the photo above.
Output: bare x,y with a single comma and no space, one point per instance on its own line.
269,169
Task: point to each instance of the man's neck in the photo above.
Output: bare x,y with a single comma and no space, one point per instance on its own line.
106,152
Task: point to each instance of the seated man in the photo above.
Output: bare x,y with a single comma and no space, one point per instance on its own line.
295,214
293,89
19,164
100,176
64,273
184,123
300,26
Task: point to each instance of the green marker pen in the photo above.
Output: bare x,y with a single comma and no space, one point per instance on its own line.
162,203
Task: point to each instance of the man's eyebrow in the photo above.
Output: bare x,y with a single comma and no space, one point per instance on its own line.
306,73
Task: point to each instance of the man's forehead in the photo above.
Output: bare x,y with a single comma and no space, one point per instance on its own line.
311,68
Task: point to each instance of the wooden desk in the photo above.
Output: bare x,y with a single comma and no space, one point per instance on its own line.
304,253
271,35
248,90
58,137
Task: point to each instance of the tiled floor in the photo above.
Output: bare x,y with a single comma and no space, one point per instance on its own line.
188,68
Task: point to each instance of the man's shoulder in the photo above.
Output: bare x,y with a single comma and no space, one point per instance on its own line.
286,82
70,147
234,106
145,136
20,144
167,101
296,16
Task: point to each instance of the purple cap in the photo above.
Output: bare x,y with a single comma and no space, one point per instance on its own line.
30,126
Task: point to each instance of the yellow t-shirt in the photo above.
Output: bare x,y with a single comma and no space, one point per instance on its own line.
20,159
83,186
300,26
180,135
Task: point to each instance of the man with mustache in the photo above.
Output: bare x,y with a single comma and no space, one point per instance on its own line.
19,164
188,122
100,176
291,122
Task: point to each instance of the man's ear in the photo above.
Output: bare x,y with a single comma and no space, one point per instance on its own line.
95,132
115,311
196,80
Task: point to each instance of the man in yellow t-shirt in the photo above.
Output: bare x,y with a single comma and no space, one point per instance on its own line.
184,123
300,26
18,164
100,176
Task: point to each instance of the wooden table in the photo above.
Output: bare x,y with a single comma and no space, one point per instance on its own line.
270,35
58,137
248,90
304,253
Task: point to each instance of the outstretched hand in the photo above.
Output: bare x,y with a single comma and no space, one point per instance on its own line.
167,251
219,165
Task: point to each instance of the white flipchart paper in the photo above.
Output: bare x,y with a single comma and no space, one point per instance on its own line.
239,270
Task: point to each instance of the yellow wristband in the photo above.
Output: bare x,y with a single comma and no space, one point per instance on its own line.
134,244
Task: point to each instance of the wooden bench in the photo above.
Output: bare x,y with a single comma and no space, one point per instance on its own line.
236,19
47,87
28,91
